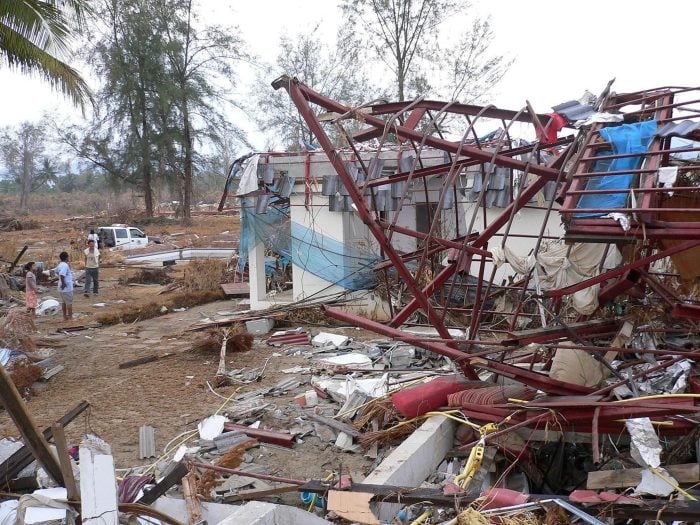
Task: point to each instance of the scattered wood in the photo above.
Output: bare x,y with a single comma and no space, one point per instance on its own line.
334,424
18,461
64,460
232,289
631,477
189,491
13,403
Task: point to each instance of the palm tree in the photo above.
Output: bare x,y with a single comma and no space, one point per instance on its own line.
34,36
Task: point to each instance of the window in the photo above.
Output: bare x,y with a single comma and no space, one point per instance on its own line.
121,233
136,233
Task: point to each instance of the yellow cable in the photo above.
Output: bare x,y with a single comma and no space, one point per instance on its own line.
189,434
421,519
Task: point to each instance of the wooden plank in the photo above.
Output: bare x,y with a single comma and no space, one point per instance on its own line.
631,477
64,459
246,495
13,403
334,424
189,491
18,461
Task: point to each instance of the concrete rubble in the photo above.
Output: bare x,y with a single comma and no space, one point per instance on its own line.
494,373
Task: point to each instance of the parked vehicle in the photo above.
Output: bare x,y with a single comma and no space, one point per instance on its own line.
121,237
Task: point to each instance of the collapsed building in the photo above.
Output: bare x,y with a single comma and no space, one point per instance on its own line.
560,268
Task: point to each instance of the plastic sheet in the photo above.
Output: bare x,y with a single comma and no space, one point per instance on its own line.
627,138
346,264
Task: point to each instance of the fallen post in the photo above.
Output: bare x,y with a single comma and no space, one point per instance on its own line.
18,461
13,403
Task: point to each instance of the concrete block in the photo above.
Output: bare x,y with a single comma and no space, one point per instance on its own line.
98,484
259,326
413,461
262,513
177,509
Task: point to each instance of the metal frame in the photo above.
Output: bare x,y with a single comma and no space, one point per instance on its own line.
417,126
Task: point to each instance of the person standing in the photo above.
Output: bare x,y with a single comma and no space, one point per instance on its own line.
92,236
65,286
92,265
30,289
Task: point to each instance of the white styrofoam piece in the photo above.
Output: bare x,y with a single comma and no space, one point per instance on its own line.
352,360
327,339
211,427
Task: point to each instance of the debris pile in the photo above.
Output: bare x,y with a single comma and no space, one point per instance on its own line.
526,372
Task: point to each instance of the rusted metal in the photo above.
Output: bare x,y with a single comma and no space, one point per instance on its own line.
415,125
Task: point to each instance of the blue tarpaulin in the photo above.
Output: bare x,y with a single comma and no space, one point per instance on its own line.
627,138
331,260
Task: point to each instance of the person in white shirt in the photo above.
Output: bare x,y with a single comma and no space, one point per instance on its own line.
65,286
92,236
92,265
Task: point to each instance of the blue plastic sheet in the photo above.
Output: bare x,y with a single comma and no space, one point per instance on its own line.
331,260
627,138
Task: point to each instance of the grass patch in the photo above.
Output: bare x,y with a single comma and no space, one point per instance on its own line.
130,313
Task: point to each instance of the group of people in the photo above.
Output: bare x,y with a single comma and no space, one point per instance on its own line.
65,278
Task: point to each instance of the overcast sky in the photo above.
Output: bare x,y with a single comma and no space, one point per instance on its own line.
560,48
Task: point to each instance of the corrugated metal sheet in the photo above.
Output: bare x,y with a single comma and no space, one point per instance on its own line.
291,337
147,442
684,128
573,110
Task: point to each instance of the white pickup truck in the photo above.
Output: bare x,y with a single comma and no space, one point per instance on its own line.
121,237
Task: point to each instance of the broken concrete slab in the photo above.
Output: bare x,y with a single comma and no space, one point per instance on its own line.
98,485
412,461
261,513
177,509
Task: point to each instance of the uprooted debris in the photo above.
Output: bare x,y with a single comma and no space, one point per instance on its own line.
139,311
211,340
148,276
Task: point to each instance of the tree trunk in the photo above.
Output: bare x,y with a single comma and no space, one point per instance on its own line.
26,186
146,159
187,180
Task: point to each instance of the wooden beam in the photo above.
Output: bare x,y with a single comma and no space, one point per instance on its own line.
631,477
13,403
64,460
189,490
18,461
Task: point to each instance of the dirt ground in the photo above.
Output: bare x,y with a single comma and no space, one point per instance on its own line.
170,394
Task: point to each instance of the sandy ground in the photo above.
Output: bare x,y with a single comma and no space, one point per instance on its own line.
170,394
